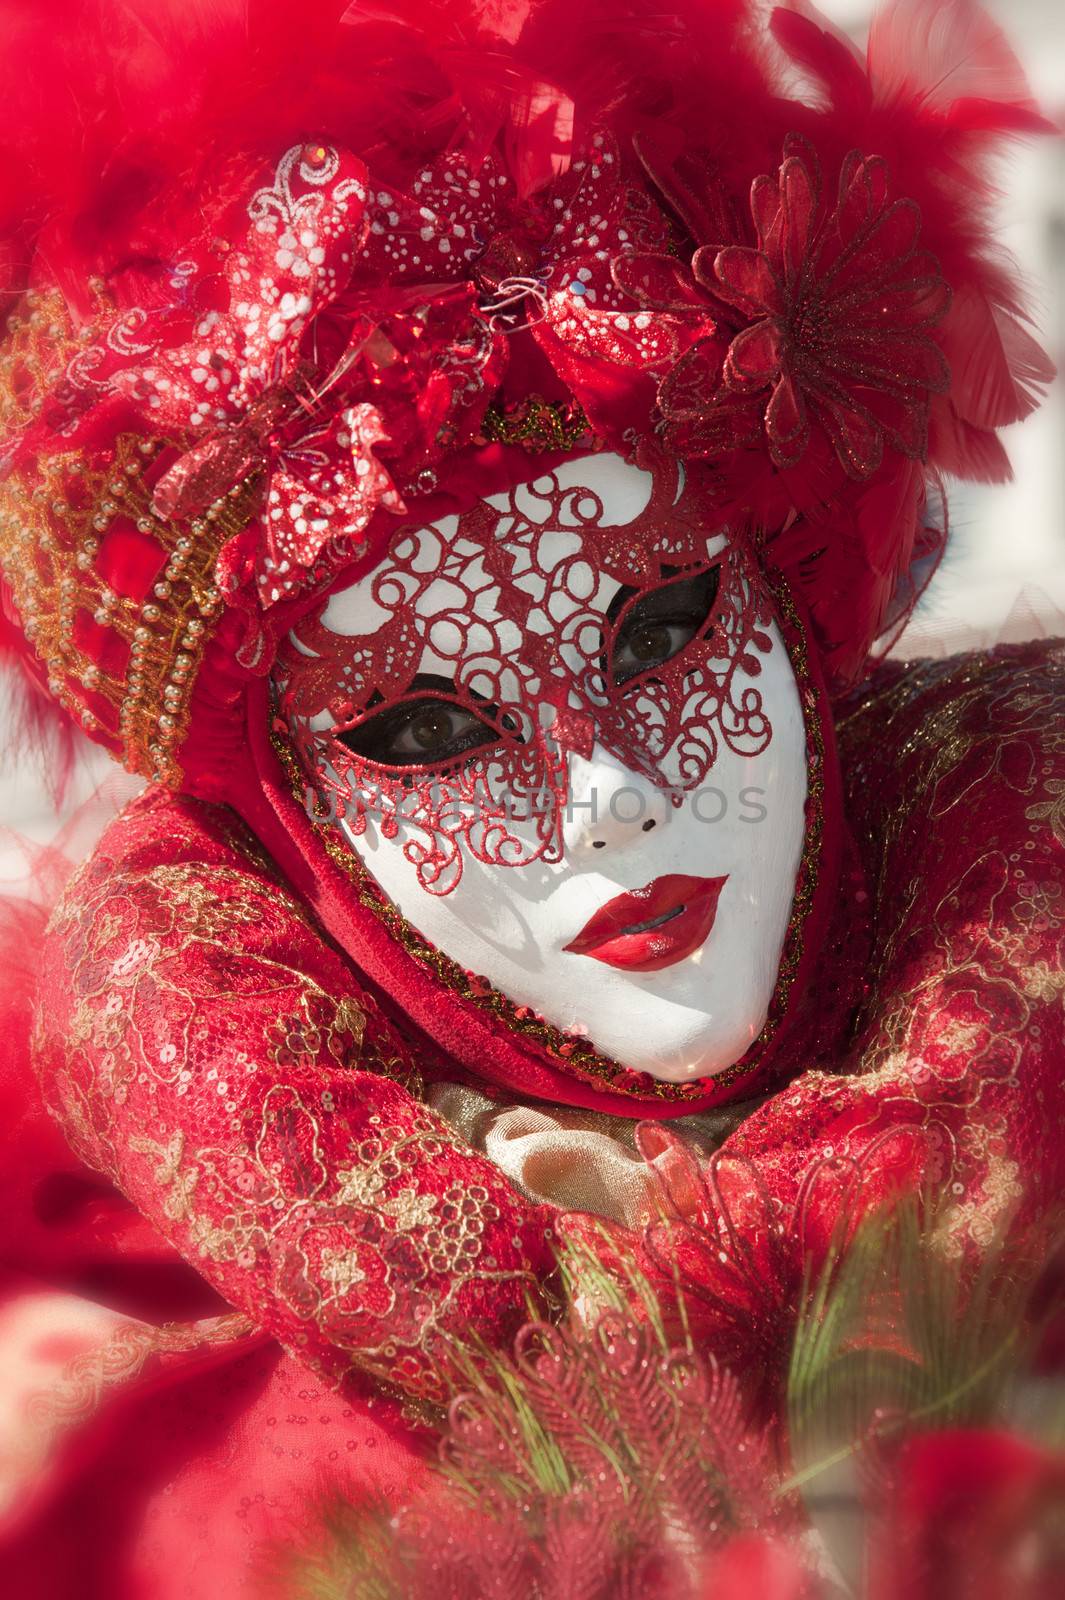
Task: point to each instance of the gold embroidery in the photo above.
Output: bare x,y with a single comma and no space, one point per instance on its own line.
1052,810
124,664
960,969
120,1359
357,1246
1041,982
538,424
980,1214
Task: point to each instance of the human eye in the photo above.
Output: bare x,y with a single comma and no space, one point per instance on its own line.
659,624
422,731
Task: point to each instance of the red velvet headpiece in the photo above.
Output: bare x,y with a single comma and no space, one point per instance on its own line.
282,272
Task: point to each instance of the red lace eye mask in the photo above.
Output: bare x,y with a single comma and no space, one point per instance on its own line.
498,644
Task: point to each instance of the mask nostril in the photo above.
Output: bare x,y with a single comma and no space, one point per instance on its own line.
598,844
648,825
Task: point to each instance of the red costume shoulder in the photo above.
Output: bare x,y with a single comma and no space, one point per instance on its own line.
205,1046
955,774
956,778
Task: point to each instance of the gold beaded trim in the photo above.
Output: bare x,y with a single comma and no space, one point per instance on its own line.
50,540
39,344
131,686
537,424
575,1054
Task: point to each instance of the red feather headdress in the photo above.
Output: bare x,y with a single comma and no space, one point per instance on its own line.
278,271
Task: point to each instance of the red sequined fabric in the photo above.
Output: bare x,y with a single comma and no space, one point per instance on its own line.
503,584
206,1049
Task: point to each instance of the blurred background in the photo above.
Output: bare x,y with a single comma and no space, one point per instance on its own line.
1004,577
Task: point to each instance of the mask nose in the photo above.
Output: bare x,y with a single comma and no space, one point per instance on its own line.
609,807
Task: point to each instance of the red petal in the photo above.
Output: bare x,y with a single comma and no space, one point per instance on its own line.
856,436
753,358
863,191
745,279
338,222
798,196
691,386
892,360
659,282
717,432
787,424
690,182
765,207
881,249
896,231
203,474
910,302
903,419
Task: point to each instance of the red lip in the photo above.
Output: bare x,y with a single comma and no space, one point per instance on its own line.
609,935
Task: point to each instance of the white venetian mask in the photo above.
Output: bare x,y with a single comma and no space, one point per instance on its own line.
564,736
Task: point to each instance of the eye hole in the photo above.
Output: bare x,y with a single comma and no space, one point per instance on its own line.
419,732
659,624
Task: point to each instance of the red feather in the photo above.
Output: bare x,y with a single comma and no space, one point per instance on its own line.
965,451
939,52
998,371
942,87
831,59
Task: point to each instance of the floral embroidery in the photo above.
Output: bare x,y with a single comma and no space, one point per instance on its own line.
225,1071
972,954
352,1222
1052,810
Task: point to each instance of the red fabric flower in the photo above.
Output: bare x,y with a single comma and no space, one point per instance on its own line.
243,388
839,309
294,364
